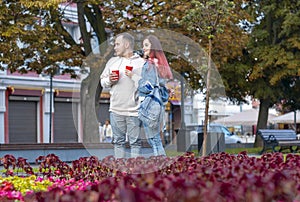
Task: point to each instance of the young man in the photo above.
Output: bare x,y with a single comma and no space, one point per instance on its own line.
123,95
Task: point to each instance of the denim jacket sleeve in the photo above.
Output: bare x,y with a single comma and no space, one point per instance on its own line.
148,76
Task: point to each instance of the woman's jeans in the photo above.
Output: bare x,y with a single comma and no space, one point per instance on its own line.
122,125
154,140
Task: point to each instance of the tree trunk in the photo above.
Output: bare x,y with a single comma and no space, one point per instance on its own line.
89,95
205,134
94,16
262,120
85,37
90,86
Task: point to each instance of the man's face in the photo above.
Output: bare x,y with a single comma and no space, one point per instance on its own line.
120,47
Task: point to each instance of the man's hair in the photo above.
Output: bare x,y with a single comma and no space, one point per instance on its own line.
129,38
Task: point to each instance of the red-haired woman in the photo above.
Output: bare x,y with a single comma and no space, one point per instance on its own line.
156,71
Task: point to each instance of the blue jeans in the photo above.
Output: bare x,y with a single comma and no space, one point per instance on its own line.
108,139
122,125
154,140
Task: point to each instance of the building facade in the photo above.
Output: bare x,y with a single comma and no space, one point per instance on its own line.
26,109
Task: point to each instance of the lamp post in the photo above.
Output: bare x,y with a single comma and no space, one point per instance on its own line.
50,110
183,132
181,136
53,71
295,120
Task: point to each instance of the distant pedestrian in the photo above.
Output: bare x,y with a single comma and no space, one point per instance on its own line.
107,132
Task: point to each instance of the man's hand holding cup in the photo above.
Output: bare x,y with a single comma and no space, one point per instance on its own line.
114,76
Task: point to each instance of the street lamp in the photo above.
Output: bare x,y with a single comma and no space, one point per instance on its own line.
181,135
52,72
295,120
183,132
50,112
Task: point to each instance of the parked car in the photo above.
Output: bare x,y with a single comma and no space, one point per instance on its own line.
230,137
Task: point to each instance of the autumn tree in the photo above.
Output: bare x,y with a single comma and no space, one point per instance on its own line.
31,39
34,39
273,51
210,19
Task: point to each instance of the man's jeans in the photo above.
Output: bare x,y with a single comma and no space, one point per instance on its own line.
122,125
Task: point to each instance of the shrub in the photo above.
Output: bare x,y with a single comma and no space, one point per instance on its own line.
217,177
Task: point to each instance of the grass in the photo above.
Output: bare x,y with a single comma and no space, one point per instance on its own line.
172,153
255,151
252,151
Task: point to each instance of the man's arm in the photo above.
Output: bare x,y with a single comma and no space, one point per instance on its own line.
104,78
107,78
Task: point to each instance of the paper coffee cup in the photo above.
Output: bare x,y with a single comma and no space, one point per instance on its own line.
129,68
116,72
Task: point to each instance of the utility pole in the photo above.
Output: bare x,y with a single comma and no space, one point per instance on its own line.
50,118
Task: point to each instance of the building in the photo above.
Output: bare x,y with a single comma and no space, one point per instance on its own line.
25,108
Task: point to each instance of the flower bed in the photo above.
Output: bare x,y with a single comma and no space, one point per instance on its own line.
218,177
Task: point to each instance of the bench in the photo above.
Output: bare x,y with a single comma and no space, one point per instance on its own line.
279,140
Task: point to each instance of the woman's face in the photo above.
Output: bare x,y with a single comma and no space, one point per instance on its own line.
146,47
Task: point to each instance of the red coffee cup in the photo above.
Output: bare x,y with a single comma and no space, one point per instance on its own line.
129,68
116,72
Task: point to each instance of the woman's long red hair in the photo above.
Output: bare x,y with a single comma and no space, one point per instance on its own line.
156,51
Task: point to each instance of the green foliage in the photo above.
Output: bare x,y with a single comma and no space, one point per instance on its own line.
208,17
219,21
291,99
274,43
253,150
274,48
30,40
121,16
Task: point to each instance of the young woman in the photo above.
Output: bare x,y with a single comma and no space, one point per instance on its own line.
106,132
155,70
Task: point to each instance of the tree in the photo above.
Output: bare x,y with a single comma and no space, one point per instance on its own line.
214,15
31,41
273,51
34,39
90,87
